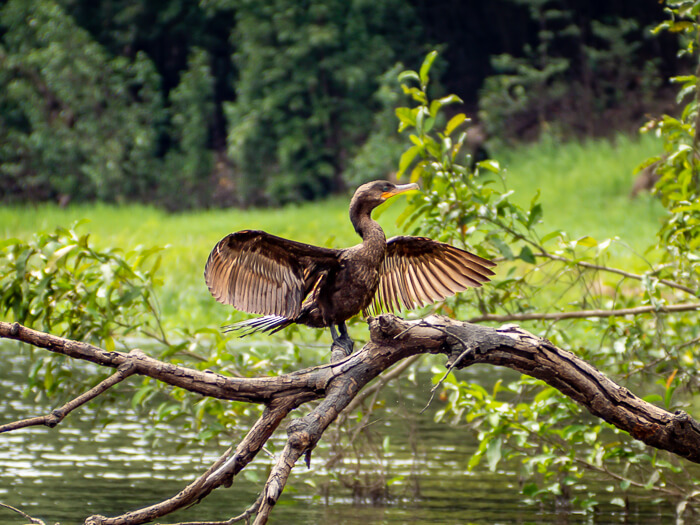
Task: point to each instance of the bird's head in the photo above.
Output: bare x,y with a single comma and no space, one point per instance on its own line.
374,193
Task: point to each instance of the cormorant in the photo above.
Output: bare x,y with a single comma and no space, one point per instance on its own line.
291,282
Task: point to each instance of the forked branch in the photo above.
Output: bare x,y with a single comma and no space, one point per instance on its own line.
339,383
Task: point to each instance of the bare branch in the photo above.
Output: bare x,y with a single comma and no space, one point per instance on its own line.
585,264
206,383
57,415
580,314
512,347
26,516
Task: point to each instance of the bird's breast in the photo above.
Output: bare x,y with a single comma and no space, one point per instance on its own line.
353,287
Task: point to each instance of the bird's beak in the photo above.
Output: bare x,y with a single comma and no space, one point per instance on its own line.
401,188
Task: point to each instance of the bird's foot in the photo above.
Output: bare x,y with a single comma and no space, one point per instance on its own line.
341,348
347,344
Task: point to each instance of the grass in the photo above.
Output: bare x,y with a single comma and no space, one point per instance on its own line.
584,188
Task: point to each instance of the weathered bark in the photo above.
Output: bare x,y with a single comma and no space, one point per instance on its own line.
338,383
513,347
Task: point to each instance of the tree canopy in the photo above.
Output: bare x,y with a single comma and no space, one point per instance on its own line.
241,103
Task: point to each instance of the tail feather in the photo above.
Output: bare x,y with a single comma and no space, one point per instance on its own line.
268,323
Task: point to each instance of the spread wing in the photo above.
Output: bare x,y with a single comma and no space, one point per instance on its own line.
264,274
419,271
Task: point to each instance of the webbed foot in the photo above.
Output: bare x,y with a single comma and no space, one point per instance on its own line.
347,344
342,344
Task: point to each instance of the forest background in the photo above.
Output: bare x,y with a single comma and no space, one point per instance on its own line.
238,103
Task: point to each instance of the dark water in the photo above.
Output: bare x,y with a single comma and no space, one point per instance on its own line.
74,470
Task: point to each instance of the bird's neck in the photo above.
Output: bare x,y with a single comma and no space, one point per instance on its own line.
367,228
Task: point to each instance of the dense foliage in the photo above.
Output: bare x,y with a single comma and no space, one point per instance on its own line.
574,77
306,73
226,102
546,271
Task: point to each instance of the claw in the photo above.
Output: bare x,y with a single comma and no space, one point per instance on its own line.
343,340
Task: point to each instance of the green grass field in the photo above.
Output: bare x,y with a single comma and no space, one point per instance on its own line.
584,190
585,187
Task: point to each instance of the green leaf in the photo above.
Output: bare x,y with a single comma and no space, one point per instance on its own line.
417,171
530,489
491,165
687,207
406,118
425,68
58,255
652,480
677,27
527,255
437,104
587,241
408,75
493,453
502,247
109,344
534,216
395,480
551,235
450,99
406,159
416,94
653,398
434,108
454,123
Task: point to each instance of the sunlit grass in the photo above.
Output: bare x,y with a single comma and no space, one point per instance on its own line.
584,189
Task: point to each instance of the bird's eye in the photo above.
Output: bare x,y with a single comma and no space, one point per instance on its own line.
387,187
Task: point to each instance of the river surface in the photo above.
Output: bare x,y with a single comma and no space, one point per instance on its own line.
78,468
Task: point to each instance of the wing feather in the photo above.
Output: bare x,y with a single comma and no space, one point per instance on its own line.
395,286
420,296
464,276
404,289
419,271
454,279
439,278
428,282
264,274
468,268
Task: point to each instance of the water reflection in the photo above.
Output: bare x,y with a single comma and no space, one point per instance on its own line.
74,470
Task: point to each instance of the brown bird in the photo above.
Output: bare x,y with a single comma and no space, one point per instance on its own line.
291,282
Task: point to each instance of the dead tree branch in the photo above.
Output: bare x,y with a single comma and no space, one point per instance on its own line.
26,516
338,384
609,269
583,314
57,415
